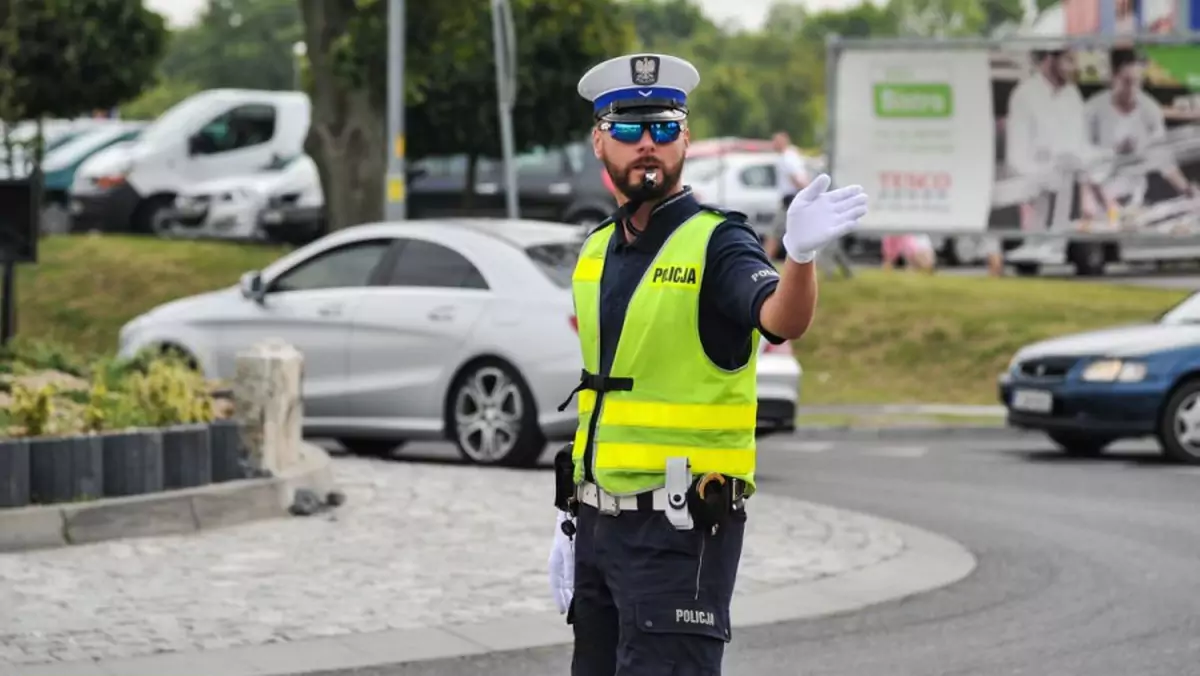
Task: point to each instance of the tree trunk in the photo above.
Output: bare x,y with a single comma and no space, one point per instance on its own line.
347,138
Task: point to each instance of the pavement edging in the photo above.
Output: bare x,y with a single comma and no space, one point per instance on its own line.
928,561
837,432
167,513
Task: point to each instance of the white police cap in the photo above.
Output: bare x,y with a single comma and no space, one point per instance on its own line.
640,87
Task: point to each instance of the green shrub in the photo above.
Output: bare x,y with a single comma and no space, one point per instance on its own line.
113,409
43,355
32,411
171,393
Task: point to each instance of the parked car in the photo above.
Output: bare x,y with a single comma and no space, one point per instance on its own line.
563,185
741,181
739,176
295,218
231,207
60,164
1090,389
459,329
779,376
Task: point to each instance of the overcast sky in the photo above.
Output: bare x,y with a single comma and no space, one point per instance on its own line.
750,13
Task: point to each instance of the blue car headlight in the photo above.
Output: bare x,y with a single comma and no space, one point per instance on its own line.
1115,371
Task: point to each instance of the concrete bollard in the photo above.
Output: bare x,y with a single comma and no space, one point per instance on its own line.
268,406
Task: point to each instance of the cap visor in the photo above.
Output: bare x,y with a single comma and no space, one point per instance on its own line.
645,115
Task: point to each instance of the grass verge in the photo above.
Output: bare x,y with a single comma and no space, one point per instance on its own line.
879,338
84,287
897,337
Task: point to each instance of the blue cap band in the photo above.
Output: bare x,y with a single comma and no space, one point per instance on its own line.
631,94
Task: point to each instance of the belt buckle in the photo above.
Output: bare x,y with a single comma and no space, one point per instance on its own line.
607,504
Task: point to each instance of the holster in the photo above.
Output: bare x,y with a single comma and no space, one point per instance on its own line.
564,480
710,500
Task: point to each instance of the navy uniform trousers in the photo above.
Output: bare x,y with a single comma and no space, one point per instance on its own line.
651,600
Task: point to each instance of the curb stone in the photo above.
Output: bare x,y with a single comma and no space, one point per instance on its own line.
928,561
832,432
166,513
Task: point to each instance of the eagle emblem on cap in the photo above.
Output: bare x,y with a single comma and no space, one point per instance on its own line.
644,70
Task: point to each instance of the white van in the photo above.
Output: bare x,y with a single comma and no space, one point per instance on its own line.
214,134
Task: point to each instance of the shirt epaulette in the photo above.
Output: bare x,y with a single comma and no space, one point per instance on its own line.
729,214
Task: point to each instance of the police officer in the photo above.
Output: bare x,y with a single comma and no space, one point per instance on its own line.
671,297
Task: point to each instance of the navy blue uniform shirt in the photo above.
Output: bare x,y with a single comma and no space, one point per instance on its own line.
738,277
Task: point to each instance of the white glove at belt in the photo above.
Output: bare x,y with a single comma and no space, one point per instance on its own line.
816,217
562,565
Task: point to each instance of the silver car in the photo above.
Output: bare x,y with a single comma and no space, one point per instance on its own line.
458,329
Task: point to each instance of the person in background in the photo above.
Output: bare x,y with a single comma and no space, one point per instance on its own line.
916,250
791,176
1126,120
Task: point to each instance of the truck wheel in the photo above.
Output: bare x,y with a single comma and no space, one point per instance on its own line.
1088,258
1027,269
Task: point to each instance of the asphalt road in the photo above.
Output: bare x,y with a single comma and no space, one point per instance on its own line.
1085,567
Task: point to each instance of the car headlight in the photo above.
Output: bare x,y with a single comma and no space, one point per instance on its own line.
1114,370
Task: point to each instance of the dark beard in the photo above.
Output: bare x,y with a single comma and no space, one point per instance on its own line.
667,180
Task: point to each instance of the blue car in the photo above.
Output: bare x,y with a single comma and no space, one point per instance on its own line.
60,164
1090,389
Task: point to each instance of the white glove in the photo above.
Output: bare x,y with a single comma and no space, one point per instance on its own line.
562,565
816,217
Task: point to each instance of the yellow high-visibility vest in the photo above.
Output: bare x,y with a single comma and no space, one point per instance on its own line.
679,402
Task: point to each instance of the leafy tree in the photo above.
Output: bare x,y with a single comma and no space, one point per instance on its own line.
238,43
940,18
63,58
863,20
450,84
156,100
659,22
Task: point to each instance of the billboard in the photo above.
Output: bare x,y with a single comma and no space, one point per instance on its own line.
1124,17
1006,138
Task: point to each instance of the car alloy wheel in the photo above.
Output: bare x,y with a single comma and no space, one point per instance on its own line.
1179,425
1186,426
488,411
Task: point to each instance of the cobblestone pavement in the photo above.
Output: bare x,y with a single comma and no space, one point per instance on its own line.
401,553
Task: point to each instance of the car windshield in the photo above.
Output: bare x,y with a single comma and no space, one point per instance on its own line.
80,147
701,170
1186,312
167,125
556,261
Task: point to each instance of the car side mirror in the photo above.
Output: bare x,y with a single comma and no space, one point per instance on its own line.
252,287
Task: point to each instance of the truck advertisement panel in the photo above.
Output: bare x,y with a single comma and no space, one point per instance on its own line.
1010,139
